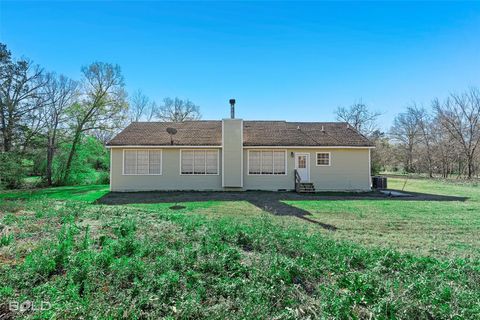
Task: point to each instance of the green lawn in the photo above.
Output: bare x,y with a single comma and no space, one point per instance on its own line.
430,228
87,193
387,259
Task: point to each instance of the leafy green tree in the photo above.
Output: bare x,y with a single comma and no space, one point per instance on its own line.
89,165
60,93
12,171
102,105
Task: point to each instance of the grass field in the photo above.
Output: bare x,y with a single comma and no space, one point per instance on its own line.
387,259
430,228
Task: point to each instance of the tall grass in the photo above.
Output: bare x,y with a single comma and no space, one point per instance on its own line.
130,262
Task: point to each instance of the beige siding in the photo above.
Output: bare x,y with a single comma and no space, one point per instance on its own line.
232,152
349,170
171,179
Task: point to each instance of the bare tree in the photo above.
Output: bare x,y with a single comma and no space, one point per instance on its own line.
32,123
382,154
103,105
445,151
360,117
178,110
405,131
19,84
141,107
459,114
424,122
106,135
60,93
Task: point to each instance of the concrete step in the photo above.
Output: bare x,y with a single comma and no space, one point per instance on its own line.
306,187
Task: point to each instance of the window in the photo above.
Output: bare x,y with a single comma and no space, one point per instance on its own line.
279,158
255,162
267,162
199,162
302,162
323,158
142,162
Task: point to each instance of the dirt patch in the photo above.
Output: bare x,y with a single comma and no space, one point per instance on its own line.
177,207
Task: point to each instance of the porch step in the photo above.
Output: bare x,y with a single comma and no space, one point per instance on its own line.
306,187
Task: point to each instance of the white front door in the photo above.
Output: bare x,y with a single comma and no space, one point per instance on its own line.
302,164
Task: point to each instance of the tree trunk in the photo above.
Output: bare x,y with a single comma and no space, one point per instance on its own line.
430,168
6,144
50,147
73,149
52,137
470,168
8,135
7,139
48,171
410,159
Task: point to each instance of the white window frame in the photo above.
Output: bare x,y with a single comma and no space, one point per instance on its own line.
329,159
143,174
273,161
199,174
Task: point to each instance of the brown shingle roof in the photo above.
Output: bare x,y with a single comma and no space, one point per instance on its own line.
189,133
255,133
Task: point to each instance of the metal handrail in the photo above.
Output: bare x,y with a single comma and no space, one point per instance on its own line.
298,180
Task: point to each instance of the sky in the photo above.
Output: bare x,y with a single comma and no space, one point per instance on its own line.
294,61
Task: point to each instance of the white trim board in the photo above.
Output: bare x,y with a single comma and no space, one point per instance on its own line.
369,169
305,147
162,147
111,168
244,147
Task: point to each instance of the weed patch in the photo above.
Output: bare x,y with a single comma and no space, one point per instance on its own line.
92,261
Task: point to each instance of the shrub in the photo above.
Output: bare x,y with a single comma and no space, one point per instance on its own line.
90,163
12,171
103,177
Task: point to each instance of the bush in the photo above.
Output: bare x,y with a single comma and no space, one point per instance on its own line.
103,177
12,171
90,164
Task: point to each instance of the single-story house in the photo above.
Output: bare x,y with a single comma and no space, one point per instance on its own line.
233,154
